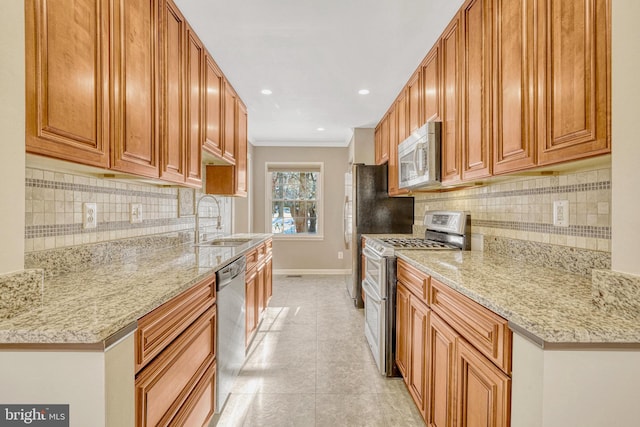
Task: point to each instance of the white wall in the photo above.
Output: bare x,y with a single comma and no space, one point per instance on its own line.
625,63
12,152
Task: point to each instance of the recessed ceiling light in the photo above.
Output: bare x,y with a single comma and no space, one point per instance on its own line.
266,92
320,129
363,91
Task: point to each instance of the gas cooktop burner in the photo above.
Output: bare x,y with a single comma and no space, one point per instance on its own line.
415,243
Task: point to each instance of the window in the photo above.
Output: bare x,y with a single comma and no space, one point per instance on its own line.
294,202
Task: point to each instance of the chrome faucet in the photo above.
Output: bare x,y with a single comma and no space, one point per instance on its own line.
218,219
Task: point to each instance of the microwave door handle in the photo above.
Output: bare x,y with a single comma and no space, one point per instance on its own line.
345,222
418,159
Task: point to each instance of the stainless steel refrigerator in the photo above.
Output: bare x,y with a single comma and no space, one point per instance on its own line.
368,209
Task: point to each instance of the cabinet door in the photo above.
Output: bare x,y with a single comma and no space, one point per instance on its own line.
402,123
172,78
195,108
431,88
241,150
476,111
384,141
414,102
229,123
402,330
451,126
268,271
441,362
514,63
419,318
377,138
67,81
483,390
574,114
213,110
134,109
250,305
261,291
394,140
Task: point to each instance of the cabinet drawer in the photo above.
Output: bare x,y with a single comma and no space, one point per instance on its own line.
163,386
158,328
200,406
484,329
415,280
252,259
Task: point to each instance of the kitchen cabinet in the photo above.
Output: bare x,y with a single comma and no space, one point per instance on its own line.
213,107
476,89
451,105
67,81
441,364
415,115
514,64
382,152
402,123
573,114
392,168
431,88
454,355
175,352
258,285
195,108
229,123
403,329
172,53
134,90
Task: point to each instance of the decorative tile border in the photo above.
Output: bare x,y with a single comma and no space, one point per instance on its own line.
36,231
57,185
572,230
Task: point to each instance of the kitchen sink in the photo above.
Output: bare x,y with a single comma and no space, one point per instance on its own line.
224,242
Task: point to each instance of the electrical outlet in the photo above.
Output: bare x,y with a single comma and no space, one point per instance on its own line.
135,213
90,215
561,213
340,255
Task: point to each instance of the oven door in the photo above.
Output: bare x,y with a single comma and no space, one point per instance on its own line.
375,271
375,309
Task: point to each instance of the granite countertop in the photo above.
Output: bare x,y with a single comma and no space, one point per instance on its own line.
550,306
89,306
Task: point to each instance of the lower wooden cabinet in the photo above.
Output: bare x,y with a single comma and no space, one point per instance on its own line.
164,386
258,286
452,382
483,391
200,406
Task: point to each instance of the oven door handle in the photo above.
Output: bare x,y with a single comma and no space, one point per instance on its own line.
371,255
370,290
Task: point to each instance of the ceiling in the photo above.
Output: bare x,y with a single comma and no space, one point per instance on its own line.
315,55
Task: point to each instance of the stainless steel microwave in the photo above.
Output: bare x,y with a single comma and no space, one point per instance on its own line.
419,158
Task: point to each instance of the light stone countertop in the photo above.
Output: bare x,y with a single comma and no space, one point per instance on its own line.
88,307
551,306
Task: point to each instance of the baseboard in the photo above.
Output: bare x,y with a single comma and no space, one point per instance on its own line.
301,272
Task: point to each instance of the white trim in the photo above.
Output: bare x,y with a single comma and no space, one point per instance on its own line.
298,144
297,237
304,272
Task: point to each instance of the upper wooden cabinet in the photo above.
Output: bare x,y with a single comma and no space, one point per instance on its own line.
382,152
229,123
514,62
241,142
451,120
392,169
134,91
173,56
574,79
67,81
431,89
415,115
213,107
195,108
402,122
476,89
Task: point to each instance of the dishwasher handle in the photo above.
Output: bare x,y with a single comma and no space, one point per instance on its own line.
226,274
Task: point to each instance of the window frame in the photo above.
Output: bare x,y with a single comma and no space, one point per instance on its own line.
292,166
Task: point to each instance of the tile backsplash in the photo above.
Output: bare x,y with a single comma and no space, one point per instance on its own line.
522,208
54,209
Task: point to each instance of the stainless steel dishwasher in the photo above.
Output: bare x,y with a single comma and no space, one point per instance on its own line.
230,288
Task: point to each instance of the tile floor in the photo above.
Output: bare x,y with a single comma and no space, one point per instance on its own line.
310,365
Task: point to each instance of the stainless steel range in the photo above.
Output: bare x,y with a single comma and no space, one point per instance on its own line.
446,230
